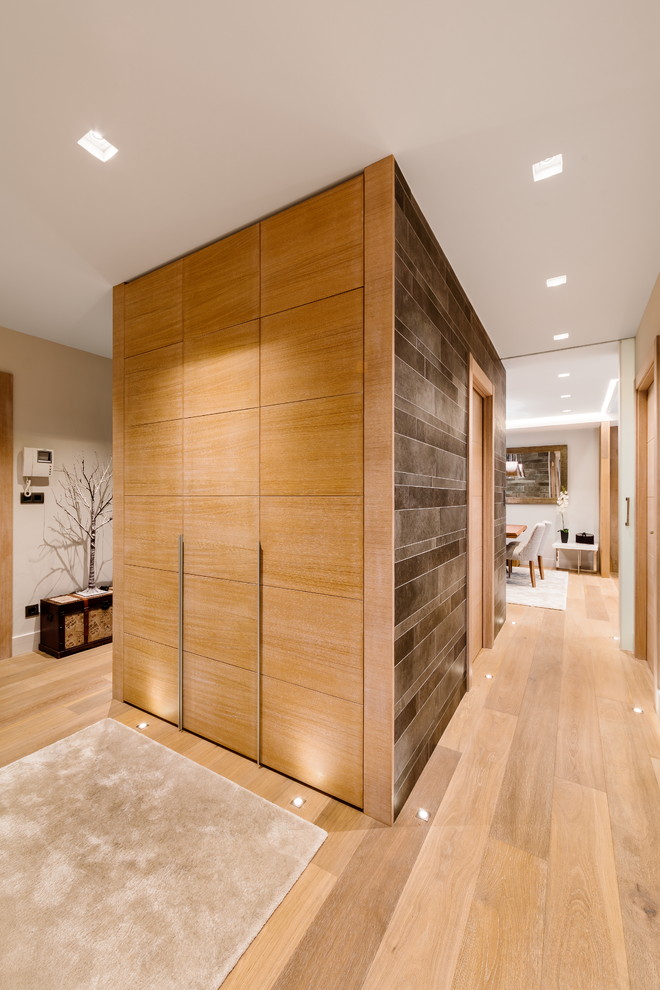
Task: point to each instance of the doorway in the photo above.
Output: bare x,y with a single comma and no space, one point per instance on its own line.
646,599
480,523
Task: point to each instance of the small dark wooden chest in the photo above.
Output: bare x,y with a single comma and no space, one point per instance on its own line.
70,623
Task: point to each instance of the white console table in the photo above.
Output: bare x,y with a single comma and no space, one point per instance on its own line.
581,548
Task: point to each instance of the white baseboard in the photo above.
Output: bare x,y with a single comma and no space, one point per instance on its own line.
27,643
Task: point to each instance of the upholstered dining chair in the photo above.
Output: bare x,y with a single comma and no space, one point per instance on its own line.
548,530
527,553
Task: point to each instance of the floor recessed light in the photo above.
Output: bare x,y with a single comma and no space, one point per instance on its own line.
549,166
97,145
561,336
142,725
298,802
564,374
423,814
638,711
513,622
489,677
556,280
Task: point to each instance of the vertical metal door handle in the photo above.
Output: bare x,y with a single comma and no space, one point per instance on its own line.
627,511
181,632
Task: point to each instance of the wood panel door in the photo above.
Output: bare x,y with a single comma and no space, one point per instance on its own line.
221,489
647,535
311,492
480,522
152,489
651,530
475,525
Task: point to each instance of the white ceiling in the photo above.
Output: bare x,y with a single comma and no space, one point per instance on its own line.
224,112
534,389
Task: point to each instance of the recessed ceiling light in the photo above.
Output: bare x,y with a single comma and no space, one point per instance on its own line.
548,167
423,814
561,336
489,677
298,802
513,622
567,396
541,422
638,711
555,280
615,638
564,374
142,725
608,395
567,410
97,145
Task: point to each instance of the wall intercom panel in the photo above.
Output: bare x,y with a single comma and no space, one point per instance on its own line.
37,462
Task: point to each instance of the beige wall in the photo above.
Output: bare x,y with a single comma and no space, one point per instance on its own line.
649,328
62,400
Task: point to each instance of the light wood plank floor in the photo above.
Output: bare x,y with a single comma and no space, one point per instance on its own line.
540,867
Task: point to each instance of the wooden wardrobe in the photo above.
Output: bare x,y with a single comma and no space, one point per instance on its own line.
251,378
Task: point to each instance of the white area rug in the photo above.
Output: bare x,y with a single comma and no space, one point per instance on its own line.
549,593
123,864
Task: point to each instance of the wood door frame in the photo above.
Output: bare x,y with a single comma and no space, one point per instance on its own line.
643,382
6,522
479,381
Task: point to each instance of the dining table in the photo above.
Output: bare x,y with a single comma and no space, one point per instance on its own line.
513,530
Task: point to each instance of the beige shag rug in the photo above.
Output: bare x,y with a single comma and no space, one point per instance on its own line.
126,865
548,593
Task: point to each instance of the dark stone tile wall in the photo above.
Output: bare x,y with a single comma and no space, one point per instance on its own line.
436,329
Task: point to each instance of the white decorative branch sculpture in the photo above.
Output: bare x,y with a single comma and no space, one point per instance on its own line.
87,502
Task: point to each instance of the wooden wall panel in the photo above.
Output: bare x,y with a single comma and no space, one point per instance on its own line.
7,510
153,312
219,703
221,620
221,370
151,531
221,283
118,442
313,351
221,454
312,447
150,604
314,641
313,250
313,544
313,737
153,459
379,490
221,537
153,386
259,426
151,679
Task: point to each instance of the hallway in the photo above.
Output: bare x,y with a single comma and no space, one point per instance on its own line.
540,866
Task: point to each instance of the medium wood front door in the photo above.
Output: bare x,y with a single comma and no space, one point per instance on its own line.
651,536
480,516
475,525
